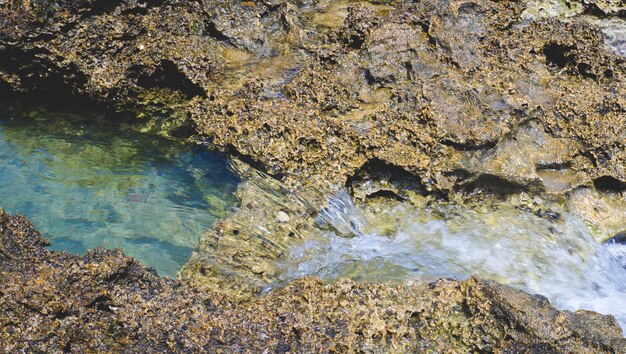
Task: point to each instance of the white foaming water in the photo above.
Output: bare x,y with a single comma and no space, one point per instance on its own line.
555,258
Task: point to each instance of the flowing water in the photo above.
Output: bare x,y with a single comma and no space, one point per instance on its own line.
85,182
553,254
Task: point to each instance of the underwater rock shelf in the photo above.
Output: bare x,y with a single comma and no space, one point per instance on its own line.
90,183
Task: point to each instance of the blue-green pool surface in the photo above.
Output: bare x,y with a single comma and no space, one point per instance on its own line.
86,182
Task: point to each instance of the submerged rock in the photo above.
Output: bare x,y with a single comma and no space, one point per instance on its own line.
104,301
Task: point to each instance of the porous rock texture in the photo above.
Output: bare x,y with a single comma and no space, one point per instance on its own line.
437,97
431,87
440,96
440,89
106,302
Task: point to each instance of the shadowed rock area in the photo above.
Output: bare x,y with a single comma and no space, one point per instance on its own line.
104,302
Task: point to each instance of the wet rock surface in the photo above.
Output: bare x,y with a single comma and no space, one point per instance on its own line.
448,98
427,87
431,88
104,301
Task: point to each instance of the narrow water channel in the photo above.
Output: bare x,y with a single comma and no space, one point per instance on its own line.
554,254
86,182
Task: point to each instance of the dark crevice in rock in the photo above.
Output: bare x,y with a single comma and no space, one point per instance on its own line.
409,70
101,303
468,146
466,310
367,74
168,75
377,169
414,320
619,238
213,32
67,348
386,194
604,110
590,155
356,42
541,213
5,90
121,274
425,26
592,9
271,8
62,314
553,166
54,95
392,176
598,157
139,10
44,81
558,55
584,70
493,184
66,28
609,184
273,172
100,7
459,174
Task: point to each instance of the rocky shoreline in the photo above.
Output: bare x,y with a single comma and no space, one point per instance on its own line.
453,100
106,302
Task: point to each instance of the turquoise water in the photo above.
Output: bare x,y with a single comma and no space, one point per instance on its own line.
85,182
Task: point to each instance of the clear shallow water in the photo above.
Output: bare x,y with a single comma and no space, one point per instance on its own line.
556,258
87,183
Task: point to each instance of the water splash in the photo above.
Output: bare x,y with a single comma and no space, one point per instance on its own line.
556,257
